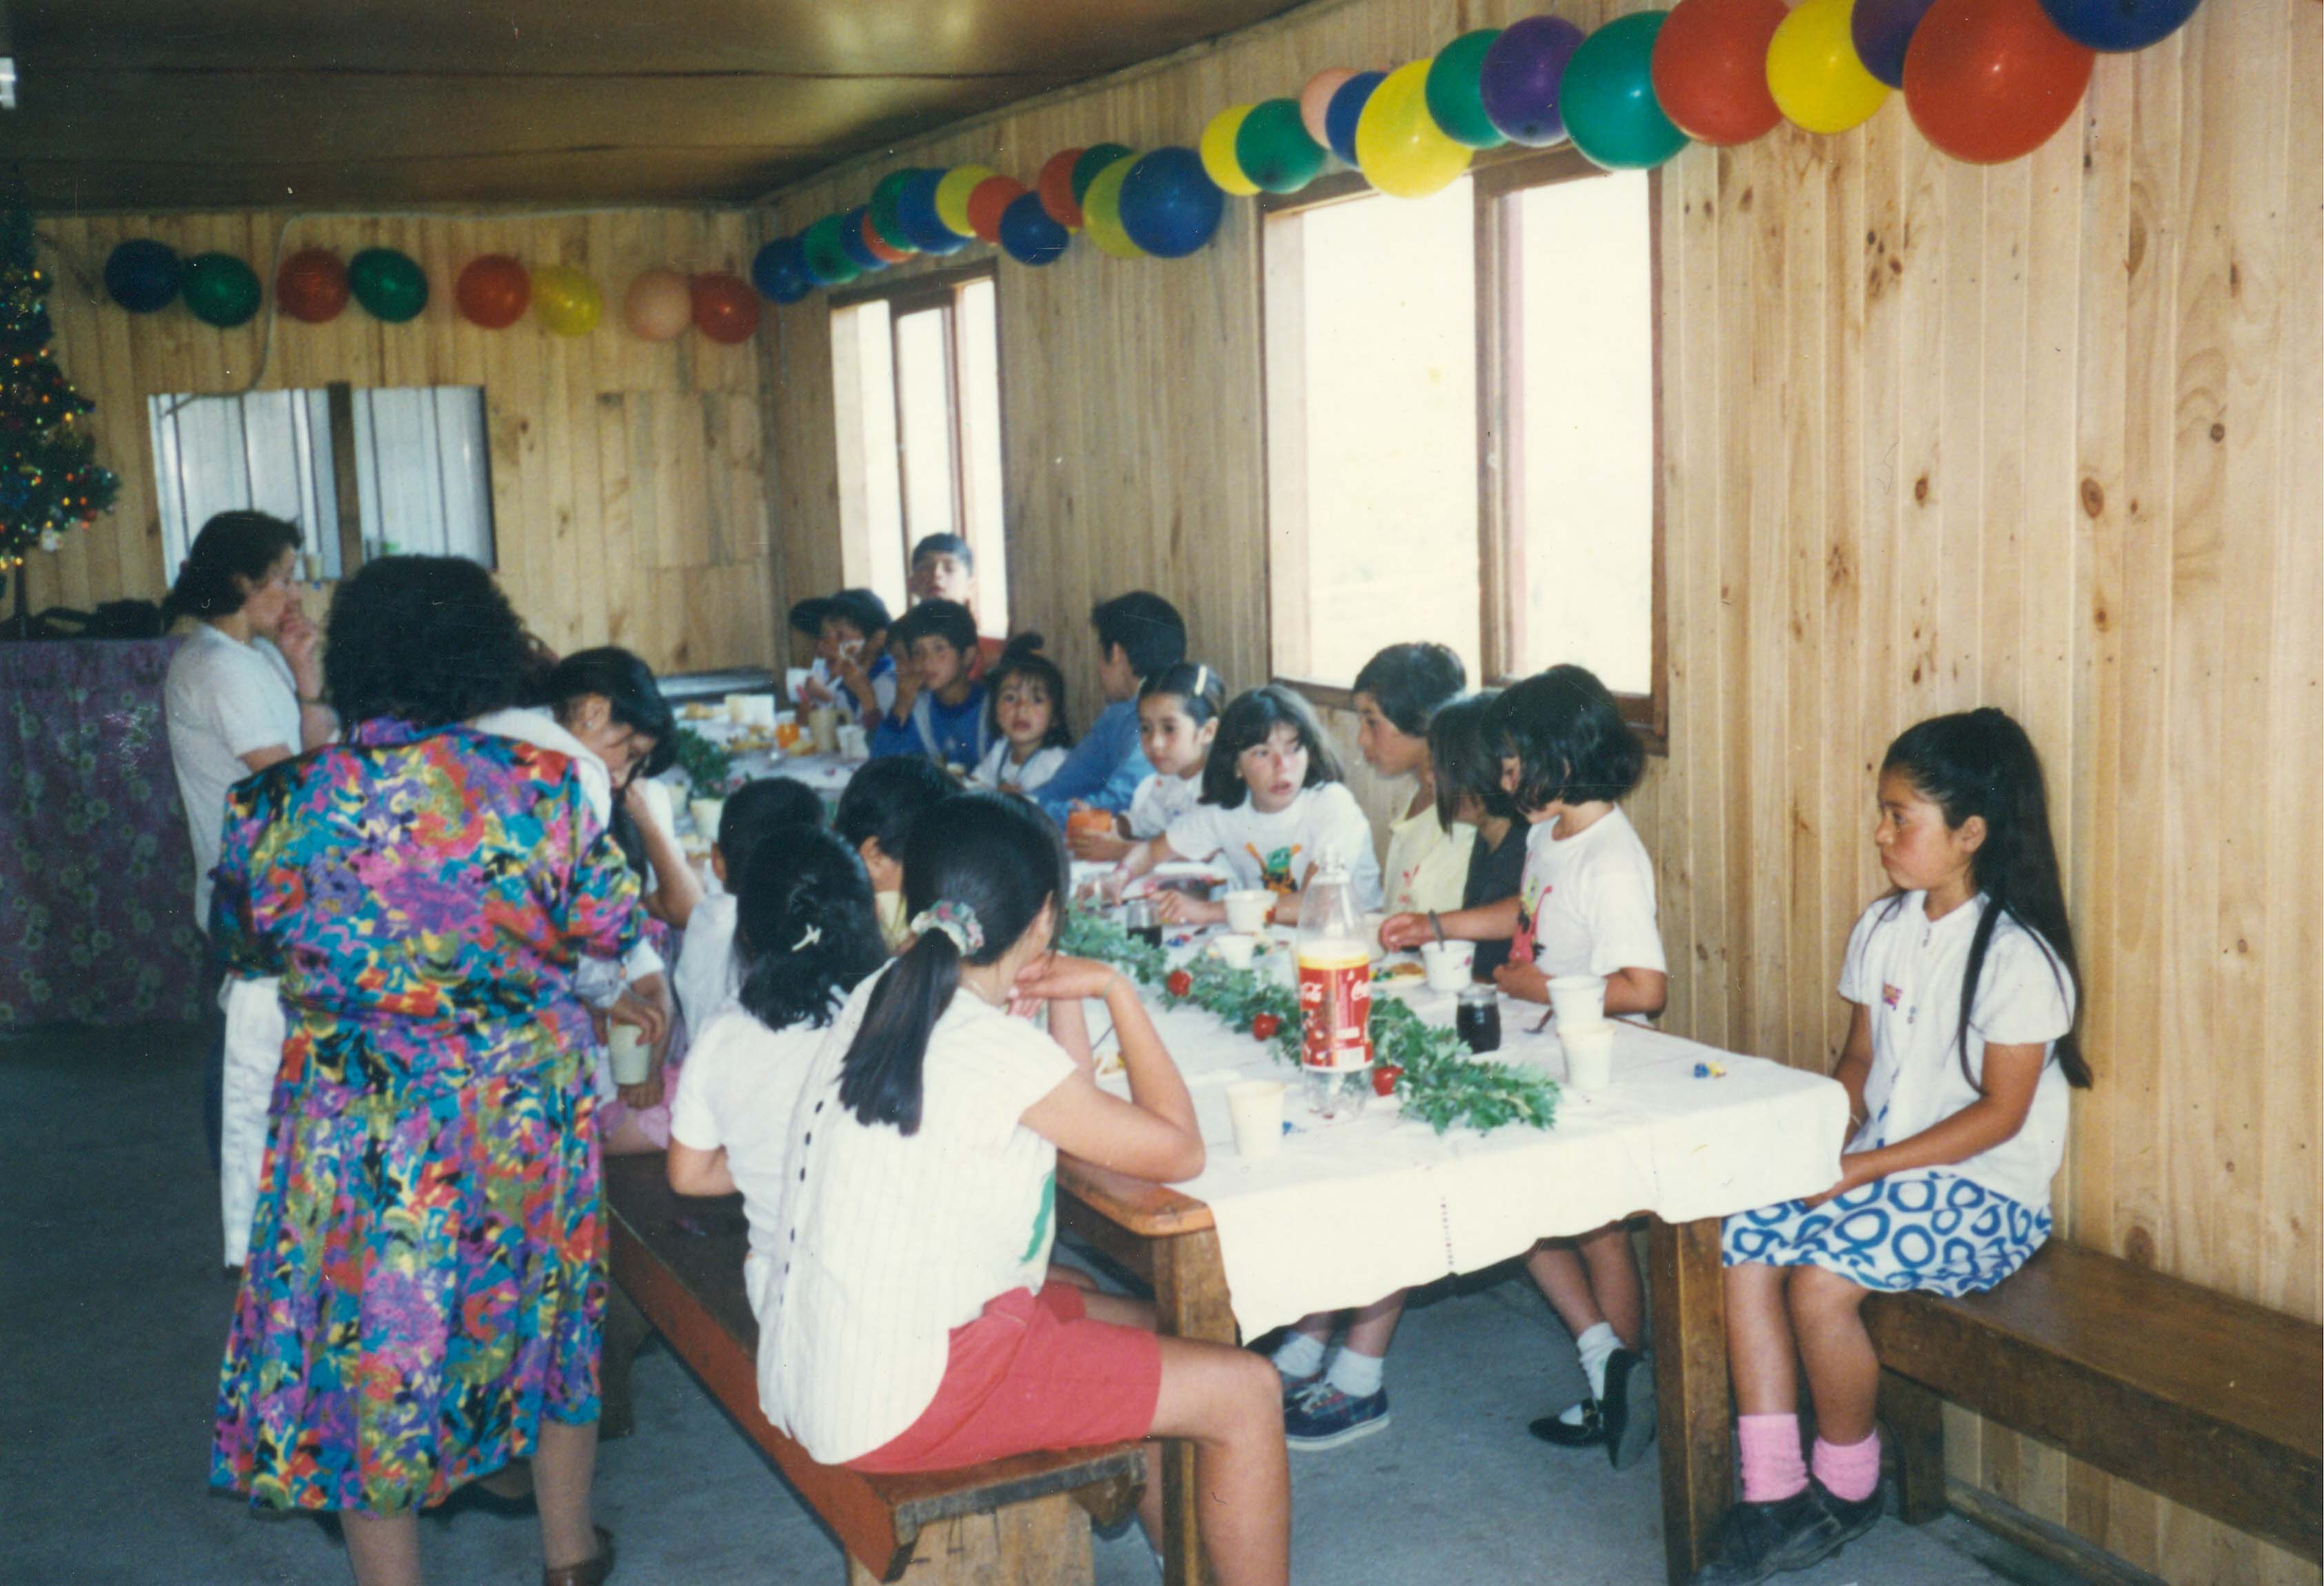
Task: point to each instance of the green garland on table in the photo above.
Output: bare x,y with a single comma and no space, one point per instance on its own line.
1441,1083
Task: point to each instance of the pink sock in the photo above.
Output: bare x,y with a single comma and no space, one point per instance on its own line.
1850,1473
1772,1470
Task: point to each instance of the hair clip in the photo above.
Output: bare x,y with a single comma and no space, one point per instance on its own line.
814,935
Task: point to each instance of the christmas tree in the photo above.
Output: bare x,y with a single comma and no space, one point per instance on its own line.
50,481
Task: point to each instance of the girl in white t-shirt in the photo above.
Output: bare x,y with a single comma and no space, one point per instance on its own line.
1585,907
1960,1052
804,939
907,1324
1178,710
1024,717
708,977
1399,692
1273,808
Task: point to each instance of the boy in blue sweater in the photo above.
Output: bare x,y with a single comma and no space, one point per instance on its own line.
1138,634
945,722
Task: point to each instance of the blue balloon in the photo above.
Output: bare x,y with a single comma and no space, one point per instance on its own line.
780,271
916,211
1340,115
1170,207
142,275
851,237
2119,25
1028,234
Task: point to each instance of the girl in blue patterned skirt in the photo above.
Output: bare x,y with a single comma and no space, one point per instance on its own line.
1959,1058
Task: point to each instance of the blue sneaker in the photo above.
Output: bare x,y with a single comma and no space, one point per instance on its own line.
1321,1417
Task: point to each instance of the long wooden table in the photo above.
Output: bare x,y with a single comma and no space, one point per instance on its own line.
1171,1240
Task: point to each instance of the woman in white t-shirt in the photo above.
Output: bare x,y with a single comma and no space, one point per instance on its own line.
907,1323
244,691
1960,1052
1273,808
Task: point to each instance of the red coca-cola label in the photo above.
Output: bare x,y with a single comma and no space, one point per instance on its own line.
1335,1007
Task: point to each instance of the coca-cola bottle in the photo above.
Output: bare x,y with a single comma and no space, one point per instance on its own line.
1335,993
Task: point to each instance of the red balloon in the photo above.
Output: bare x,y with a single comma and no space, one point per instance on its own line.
1056,186
1990,80
987,200
1710,69
879,245
493,292
312,285
725,308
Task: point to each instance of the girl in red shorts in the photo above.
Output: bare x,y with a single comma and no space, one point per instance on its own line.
908,1326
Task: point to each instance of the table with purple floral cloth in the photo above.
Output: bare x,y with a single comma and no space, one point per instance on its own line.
96,875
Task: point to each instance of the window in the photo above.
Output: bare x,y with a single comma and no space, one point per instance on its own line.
423,472
1461,424
916,376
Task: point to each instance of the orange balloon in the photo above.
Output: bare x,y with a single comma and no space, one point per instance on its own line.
312,285
493,291
987,200
1056,186
1315,98
1709,69
725,308
1990,80
878,244
660,304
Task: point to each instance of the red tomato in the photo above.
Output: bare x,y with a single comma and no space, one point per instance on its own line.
1384,1079
1265,1025
1178,983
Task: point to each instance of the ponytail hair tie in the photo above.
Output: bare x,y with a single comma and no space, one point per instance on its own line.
956,920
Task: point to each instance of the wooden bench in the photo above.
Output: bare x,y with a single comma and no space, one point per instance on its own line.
677,1265
2211,1401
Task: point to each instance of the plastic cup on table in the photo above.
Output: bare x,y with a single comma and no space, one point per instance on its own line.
787,729
1578,999
823,727
1236,951
1588,1054
632,1055
1248,910
1255,1107
738,708
706,813
1448,964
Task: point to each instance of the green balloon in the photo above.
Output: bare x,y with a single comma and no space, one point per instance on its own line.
1453,99
388,284
1274,150
885,197
826,252
220,289
1609,96
1095,159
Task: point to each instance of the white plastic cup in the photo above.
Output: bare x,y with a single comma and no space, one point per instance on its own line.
1236,952
705,813
1588,1054
1448,964
1578,999
823,727
1248,910
853,742
738,708
1256,1107
632,1055
762,708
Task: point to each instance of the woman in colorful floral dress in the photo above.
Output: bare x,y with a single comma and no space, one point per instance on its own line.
426,1279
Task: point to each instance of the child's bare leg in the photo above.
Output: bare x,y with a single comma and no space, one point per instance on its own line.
1843,1370
1118,1309
1370,1329
1614,1283
1229,1403
382,1550
1760,1352
1320,1326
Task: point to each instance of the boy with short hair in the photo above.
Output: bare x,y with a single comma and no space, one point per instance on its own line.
848,627
944,568
1138,634
945,720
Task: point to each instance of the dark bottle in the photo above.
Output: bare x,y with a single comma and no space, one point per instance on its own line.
1478,1018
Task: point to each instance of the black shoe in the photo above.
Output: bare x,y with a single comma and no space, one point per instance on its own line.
1852,1519
1629,1407
1587,1433
1756,1540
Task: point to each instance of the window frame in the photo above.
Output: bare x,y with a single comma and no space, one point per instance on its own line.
1494,176
940,290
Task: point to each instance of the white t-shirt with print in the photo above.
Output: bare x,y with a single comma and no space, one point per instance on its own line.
1586,905
223,699
1277,851
889,1242
705,979
1907,970
1160,800
737,1090
996,770
1427,863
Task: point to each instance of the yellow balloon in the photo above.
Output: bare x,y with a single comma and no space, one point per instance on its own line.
952,196
566,300
1102,211
1400,147
1814,72
1217,152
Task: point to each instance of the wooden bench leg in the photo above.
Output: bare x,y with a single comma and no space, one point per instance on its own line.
1916,1419
626,1330
1046,1539
1690,1321
1190,1301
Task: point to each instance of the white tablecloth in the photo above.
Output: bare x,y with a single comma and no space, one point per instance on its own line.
1351,1211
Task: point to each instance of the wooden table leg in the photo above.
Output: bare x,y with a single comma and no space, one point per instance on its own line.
626,1330
1691,1381
1190,1301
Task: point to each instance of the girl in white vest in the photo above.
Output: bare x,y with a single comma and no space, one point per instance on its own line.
907,1322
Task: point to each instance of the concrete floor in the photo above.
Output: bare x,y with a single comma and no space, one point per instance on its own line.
112,1313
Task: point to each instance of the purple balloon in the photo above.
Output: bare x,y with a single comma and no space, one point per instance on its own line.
1881,29
1520,79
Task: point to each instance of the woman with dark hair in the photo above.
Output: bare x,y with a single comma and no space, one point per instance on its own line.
427,1280
1396,693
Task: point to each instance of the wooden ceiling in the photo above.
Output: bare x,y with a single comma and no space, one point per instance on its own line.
151,104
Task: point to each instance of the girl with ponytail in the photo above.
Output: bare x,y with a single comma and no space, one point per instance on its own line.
1960,1055
909,1325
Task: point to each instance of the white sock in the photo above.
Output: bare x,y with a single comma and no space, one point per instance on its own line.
1597,1346
1572,1416
1299,1355
1357,1376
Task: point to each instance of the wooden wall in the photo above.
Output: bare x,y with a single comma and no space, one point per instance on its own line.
2049,437
629,484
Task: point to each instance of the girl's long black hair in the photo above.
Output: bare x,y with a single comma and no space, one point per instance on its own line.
1003,859
1466,756
232,545
805,933
634,699
1250,721
1980,762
